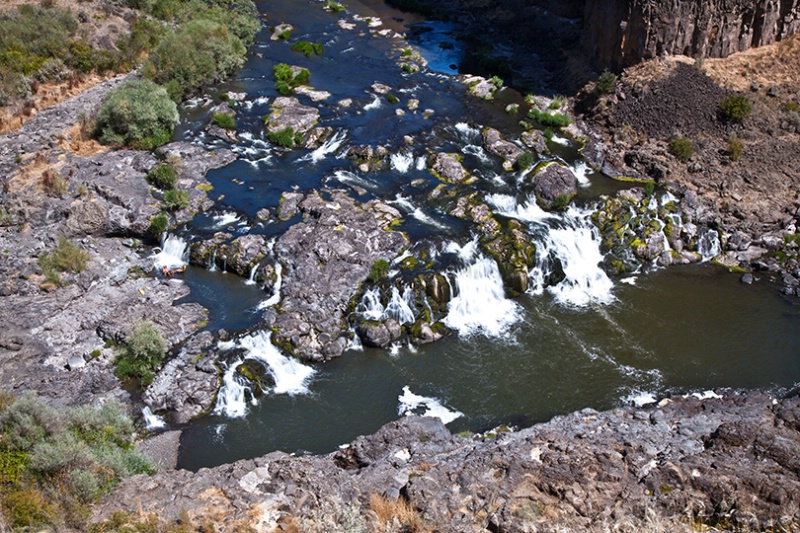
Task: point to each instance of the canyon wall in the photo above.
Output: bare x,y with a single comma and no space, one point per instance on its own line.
619,33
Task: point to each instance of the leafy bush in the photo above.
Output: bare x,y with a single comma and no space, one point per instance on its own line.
379,270
163,176
524,161
392,99
158,225
497,81
175,200
333,5
285,137
735,108
307,48
139,114
554,120
143,353
735,147
224,121
202,52
286,78
66,257
71,455
605,82
681,147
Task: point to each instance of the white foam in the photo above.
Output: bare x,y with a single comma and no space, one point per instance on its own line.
579,252
151,420
527,211
708,245
402,161
225,219
706,395
580,170
639,398
289,374
174,253
480,304
374,104
466,131
413,404
330,146
232,398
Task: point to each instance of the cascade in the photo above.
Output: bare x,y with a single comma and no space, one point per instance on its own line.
174,253
151,420
276,289
232,398
289,374
400,307
212,261
480,304
251,279
374,104
708,245
330,146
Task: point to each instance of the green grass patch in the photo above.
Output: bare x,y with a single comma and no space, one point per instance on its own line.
286,79
379,270
285,137
307,48
175,200
735,108
224,121
142,354
551,120
66,257
163,177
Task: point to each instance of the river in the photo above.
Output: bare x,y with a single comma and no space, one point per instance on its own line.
591,340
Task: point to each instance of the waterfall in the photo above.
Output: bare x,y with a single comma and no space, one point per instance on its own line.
174,253
151,420
370,305
400,307
232,398
251,279
480,304
212,261
330,146
401,162
289,375
577,247
708,245
527,211
276,289
410,404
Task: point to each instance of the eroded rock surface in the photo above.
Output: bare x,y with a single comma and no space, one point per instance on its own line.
325,258
732,457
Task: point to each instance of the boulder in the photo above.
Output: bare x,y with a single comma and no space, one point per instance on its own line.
507,150
288,112
554,185
448,167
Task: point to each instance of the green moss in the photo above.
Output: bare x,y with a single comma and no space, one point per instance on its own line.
554,120
392,98
379,271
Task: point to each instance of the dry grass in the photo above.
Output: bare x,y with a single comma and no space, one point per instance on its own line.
396,515
772,65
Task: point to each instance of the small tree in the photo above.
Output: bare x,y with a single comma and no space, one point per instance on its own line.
139,114
605,82
144,352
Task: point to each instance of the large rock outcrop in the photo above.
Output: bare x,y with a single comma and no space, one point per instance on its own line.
620,33
687,460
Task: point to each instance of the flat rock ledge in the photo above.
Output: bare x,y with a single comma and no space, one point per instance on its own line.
681,463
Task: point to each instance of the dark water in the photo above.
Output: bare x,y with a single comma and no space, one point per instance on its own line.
681,330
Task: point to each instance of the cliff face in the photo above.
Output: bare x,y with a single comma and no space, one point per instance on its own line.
620,33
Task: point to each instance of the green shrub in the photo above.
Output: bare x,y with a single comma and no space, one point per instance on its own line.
66,257
175,200
379,270
735,147
524,161
139,114
27,507
735,108
497,81
224,121
307,48
286,80
554,120
560,203
392,99
681,147
333,5
285,137
158,225
27,421
202,52
605,82
143,353
163,176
